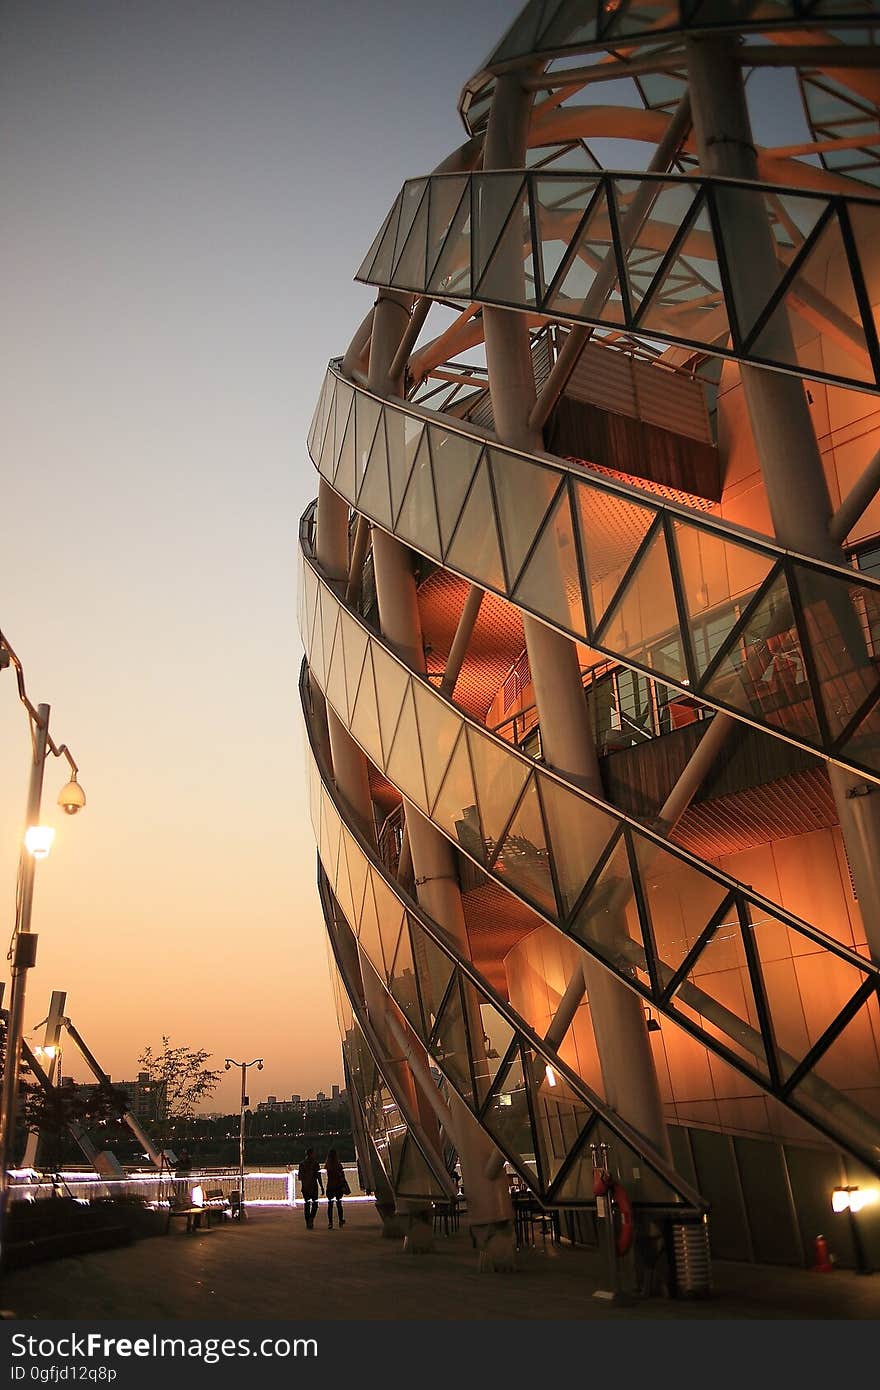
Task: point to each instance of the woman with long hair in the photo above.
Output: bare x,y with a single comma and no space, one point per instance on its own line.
337,1187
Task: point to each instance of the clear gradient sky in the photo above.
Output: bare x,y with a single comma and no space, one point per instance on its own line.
187,189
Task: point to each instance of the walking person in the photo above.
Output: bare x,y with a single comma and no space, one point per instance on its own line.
337,1187
309,1181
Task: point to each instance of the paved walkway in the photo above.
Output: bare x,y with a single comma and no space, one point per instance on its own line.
272,1267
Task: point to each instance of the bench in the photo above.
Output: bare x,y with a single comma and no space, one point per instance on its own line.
214,1204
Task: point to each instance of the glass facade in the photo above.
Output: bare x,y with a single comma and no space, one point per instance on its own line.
496,929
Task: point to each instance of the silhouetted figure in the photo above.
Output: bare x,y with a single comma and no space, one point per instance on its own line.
337,1187
309,1181
183,1166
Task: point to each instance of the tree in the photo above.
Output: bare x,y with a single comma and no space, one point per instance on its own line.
182,1074
55,1110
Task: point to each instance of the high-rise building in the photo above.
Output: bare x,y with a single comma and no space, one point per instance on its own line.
591,610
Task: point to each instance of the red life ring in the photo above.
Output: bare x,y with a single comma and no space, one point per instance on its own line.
603,1184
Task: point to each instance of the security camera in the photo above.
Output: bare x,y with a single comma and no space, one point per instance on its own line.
72,798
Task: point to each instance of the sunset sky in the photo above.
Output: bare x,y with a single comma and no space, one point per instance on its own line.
188,188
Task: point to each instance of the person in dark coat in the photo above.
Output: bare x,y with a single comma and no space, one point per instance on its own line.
309,1181
337,1187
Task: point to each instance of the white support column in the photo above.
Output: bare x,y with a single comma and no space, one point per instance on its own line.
490,1213
622,1039
785,440
51,1039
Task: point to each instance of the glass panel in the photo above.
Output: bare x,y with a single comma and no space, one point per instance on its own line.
364,722
404,434
404,762
319,419
375,497
391,920
717,995
651,213
685,300
644,622
355,642
402,983
764,673
851,1066
329,620
343,882
449,1045
612,529
681,901
560,1115
343,479
507,1118
499,779
579,833
455,810
369,935
589,288
838,618
559,206
865,225
609,923
412,199
368,413
414,1177
410,268
788,218
334,686
523,861
818,325
864,746
384,238
523,491
446,194
551,582
718,579
474,550
574,23
806,987
451,275
433,970
327,461
490,1034
455,460
417,521
358,872
510,276
391,686
494,196
438,730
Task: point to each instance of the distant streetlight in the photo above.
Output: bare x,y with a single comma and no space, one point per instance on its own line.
23,952
258,1063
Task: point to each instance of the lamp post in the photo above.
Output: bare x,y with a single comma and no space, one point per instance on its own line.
37,843
258,1063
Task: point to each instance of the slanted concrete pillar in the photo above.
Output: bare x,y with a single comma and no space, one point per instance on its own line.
490,1215
628,1071
791,464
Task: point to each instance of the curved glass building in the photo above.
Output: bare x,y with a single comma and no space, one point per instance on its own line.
590,600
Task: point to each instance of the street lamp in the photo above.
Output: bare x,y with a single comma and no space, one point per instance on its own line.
23,952
258,1063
